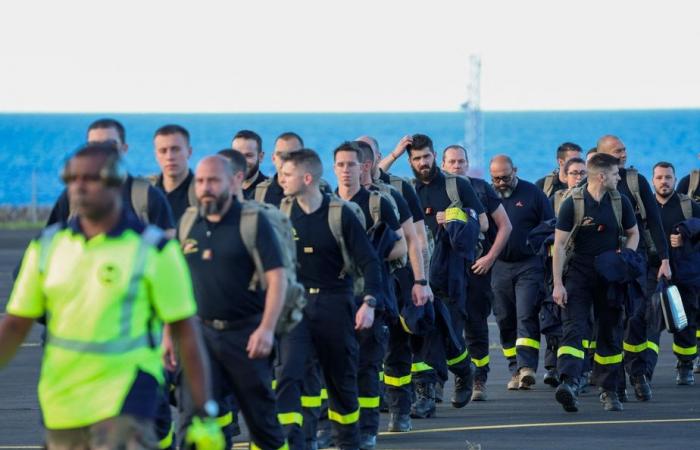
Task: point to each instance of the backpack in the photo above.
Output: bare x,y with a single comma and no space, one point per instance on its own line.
548,186
694,183
294,297
579,210
559,197
191,195
261,190
686,206
632,178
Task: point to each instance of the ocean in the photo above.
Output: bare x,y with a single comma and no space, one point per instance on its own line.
33,147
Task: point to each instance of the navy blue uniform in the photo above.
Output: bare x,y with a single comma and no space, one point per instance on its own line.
159,213
178,198
221,270
249,192
586,288
409,195
479,294
328,326
434,198
517,278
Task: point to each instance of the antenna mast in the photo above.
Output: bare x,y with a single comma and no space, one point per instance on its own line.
473,125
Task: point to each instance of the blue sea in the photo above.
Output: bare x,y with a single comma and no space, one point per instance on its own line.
34,146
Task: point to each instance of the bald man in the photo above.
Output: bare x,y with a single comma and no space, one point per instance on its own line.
639,354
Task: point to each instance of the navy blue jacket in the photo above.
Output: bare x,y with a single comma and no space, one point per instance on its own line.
622,271
685,260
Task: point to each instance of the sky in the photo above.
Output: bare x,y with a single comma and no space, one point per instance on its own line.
310,56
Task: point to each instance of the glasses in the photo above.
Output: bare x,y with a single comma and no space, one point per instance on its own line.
503,179
577,173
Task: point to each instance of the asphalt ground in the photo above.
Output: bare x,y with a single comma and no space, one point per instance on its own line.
507,420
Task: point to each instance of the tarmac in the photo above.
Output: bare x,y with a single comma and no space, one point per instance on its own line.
507,420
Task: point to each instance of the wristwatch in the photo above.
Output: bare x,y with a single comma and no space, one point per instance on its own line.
370,301
422,282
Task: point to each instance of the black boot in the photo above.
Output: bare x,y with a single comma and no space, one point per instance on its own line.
566,396
685,375
551,377
463,390
399,423
610,401
324,438
424,406
642,390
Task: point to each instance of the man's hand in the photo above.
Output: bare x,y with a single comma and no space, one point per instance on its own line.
664,270
169,354
559,295
260,343
440,217
421,294
483,265
401,146
364,317
676,240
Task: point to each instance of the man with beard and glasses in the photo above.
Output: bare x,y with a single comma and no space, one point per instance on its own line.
517,277
675,208
433,189
249,144
238,324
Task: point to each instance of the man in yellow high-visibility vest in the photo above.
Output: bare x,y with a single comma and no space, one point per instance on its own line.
106,284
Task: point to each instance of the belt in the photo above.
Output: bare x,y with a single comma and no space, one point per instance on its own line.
223,325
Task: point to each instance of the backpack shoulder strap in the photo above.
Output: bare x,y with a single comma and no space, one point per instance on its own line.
549,184
632,178
579,211
694,182
375,206
558,200
191,195
286,206
396,182
261,190
249,233
686,206
186,222
139,198
335,223
616,200
452,192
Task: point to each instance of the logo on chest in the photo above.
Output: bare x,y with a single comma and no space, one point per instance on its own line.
189,246
519,204
108,274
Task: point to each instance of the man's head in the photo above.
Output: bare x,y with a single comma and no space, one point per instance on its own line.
173,150
422,158
455,161
300,172
612,145
239,164
591,152
503,174
285,143
215,180
104,130
566,151
249,144
94,178
603,169
664,179
366,161
376,154
347,164
574,170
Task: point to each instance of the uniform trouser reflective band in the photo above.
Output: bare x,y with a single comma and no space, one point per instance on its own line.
274,384
118,345
527,342
253,446
586,343
634,348
344,419
397,381
324,394
509,352
653,346
290,418
368,402
420,367
606,360
593,345
686,351
481,362
308,401
225,420
167,441
458,359
381,376
404,325
697,333
572,351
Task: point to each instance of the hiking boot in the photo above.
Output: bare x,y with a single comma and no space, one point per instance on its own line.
514,382
439,391
399,423
610,401
324,438
479,391
566,396
527,378
424,406
551,378
368,441
463,391
642,390
685,375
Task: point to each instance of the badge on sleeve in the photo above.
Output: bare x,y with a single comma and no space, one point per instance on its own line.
207,254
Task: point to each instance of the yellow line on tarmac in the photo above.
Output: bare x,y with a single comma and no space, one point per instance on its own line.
20,446
539,425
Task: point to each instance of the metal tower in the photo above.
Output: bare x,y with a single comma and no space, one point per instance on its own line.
473,125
